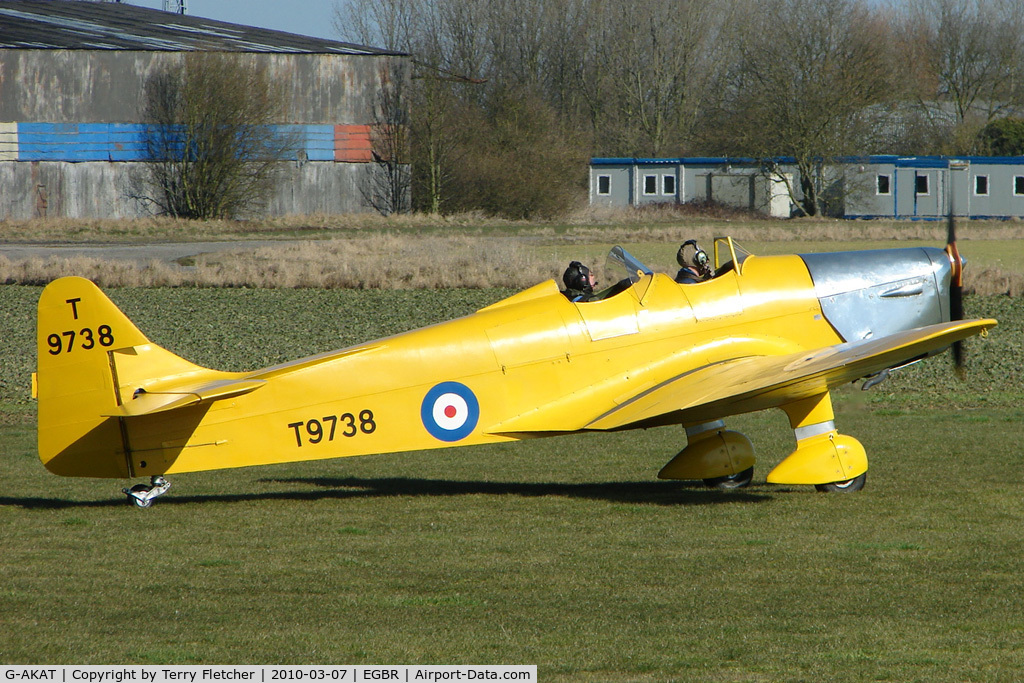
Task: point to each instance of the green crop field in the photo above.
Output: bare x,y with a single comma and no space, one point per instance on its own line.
566,553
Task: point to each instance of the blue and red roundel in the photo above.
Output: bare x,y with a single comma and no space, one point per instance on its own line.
450,411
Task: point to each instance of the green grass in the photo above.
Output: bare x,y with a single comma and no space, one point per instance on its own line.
566,553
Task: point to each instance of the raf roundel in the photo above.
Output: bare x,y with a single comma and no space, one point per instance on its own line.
450,411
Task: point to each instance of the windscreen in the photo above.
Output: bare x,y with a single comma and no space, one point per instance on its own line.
621,261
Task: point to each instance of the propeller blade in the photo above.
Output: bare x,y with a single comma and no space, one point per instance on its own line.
956,289
956,312
956,302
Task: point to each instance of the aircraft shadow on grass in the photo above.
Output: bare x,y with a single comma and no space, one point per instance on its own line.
642,493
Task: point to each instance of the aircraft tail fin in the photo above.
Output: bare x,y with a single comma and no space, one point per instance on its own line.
91,359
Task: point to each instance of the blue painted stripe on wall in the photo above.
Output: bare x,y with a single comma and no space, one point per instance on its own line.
126,141
81,142
316,139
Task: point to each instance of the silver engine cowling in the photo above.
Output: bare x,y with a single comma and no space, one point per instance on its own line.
871,294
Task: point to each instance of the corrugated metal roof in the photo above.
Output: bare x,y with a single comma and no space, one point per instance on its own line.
80,25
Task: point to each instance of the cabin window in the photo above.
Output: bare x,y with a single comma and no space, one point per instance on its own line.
1018,185
668,184
883,184
604,184
921,184
650,184
981,185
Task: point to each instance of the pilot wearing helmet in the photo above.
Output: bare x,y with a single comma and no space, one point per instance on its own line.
579,282
695,264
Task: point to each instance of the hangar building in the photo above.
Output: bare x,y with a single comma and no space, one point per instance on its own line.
71,84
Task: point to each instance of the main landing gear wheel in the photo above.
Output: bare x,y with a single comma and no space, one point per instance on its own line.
143,496
732,481
848,486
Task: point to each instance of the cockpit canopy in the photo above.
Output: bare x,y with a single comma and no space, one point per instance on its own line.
625,269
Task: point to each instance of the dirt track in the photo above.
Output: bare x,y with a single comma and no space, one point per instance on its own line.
168,251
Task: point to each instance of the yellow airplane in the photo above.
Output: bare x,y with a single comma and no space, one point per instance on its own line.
758,332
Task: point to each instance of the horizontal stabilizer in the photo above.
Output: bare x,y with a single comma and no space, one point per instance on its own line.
147,403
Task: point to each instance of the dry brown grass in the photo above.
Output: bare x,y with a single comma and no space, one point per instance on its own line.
106,273
424,252
771,229
993,281
48,230
381,261
375,261
665,221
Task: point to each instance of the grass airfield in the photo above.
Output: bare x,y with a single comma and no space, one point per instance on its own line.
566,553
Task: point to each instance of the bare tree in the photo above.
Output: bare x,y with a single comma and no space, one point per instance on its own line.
630,77
655,72
806,89
807,79
434,140
968,59
423,30
213,151
389,186
971,50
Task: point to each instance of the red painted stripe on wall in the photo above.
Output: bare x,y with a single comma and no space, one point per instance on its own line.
352,143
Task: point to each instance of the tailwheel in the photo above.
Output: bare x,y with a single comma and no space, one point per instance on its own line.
732,481
848,486
142,496
137,495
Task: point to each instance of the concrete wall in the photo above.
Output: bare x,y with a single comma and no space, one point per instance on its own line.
64,106
112,190
322,188
94,86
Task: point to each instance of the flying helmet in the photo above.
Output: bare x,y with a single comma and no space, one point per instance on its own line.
577,277
691,255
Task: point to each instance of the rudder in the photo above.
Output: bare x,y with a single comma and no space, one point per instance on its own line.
79,333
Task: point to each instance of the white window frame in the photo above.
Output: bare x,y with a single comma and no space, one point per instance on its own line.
1018,184
927,185
654,179
664,178
608,181
988,185
888,182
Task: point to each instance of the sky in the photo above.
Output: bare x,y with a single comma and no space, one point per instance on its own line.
306,17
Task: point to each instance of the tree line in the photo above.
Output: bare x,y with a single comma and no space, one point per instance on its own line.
510,98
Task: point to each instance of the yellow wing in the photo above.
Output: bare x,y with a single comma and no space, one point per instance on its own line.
755,383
